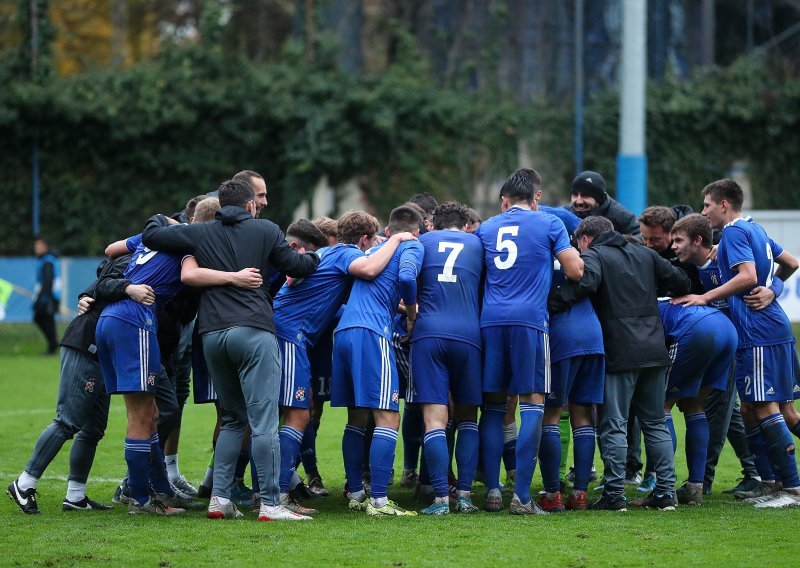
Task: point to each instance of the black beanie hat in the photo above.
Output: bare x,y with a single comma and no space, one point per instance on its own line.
591,184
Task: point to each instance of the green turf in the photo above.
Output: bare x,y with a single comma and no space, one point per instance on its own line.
721,532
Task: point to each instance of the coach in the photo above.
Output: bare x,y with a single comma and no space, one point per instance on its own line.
622,278
238,332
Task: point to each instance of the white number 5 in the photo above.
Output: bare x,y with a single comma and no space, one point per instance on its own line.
148,254
447,274
507,245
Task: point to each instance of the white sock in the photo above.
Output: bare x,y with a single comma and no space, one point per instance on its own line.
295,480
75,491
26,481
172,467
208,480
509,432
223,500
467,494
442,500
379,502
358,496
269,509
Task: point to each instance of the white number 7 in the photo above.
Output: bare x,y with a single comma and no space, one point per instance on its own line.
506,244
447,274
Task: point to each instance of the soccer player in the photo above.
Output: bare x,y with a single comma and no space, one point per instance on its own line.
364,373
446,352
129,358
304,311
519,247
692,243
766,357
702,344
577,379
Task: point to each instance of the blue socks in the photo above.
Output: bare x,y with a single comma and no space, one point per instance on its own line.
413,428
381,459
308,449
781,449
671,427
137,456
492,443
436,457
353,456
758,445
696,445
158,468
290,439
583,450
550,457
467,443
530,434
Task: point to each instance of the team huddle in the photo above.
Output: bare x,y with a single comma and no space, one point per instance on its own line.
583,311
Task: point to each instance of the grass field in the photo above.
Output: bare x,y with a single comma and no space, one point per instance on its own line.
721,532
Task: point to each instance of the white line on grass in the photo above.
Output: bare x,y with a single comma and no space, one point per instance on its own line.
4,475
25,411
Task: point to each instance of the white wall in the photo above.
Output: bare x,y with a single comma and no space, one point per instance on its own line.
784,228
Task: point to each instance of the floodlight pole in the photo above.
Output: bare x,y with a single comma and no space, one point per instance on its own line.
631,159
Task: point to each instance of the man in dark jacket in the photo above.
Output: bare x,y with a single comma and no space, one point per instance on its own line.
238,335
47,294
621,278
589,199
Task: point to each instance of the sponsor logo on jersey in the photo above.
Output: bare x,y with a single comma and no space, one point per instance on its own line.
151,379
796,388
300,394
89,386
770,390
395,396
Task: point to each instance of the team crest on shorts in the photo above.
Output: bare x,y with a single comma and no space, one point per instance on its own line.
151,379
89,386
300,394
395,396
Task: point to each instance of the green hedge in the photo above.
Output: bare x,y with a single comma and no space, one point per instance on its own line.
118,145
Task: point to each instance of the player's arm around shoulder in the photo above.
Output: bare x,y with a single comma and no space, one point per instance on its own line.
369,267
571,263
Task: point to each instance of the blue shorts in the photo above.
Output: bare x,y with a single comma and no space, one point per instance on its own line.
443,366
579,380
516,360
796,372
402,358
364,371
129,356
202,387
321,358
295,375
766,374
702,358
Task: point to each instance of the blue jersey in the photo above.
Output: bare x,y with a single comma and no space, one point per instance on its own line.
679,320
570,220
710,278
745,241
304,311
576,331
450,283
519,246
160,270
373,303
